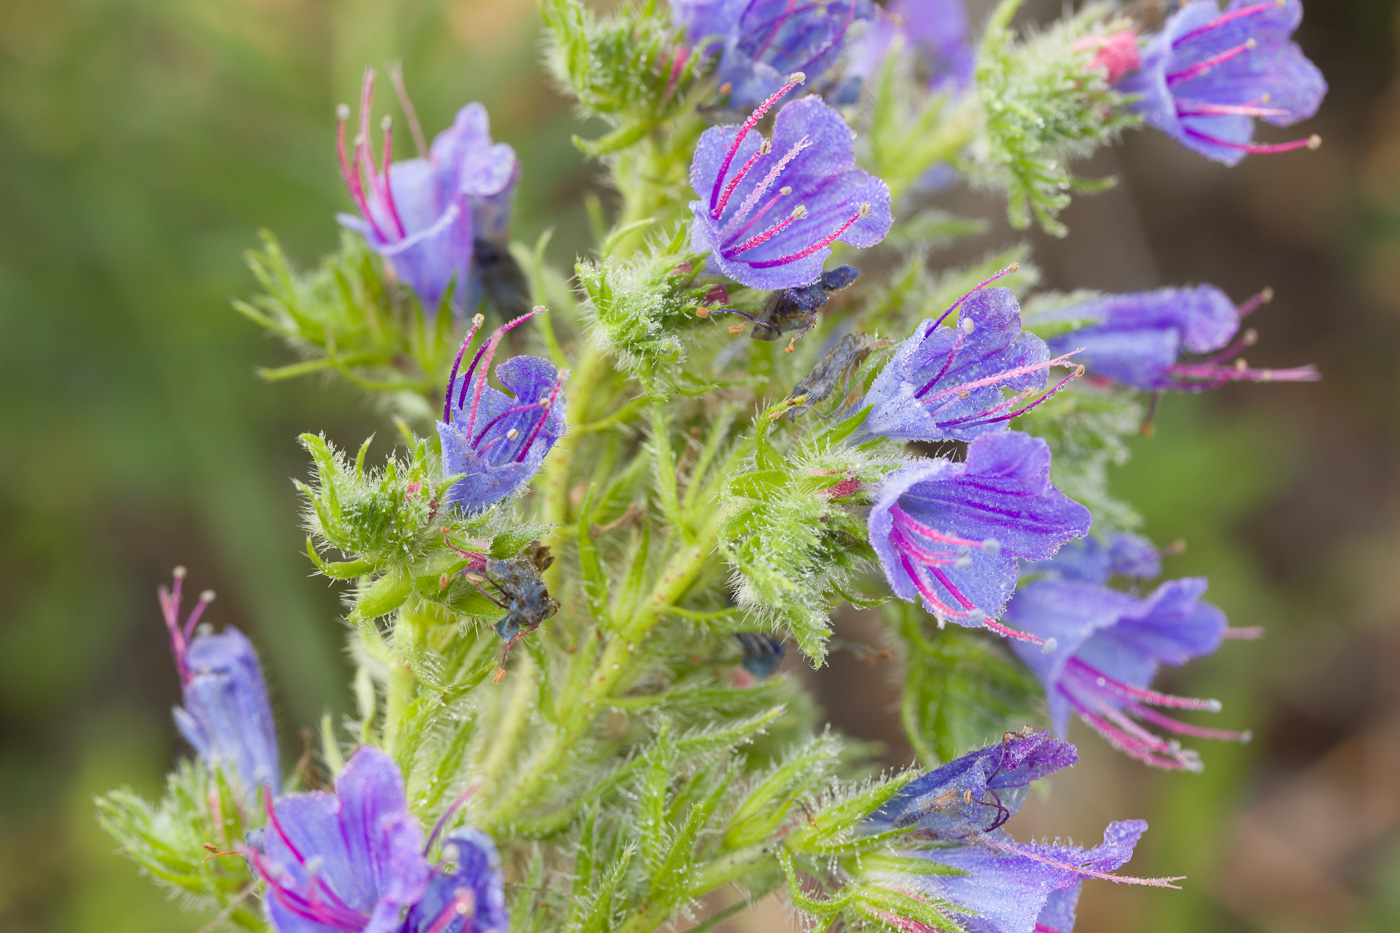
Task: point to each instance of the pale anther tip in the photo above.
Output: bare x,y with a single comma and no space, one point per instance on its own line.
207,596
478,319
179,572
386,123
1214,706
1267,294
797,77
785,190
342,112
1247,735
1015,266
1049,646
865,209
1314,141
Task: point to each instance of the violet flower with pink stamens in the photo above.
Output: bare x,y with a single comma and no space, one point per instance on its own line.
1208,75
769,210
1109,646
466,893
226,715
425,215
950,533
947,383
496,441
1141,339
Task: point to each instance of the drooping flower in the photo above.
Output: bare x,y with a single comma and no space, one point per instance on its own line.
933,31
1140,339
769,210
466,893
1108,647
495,441
226,715
976,793
426,216
1207,75
950,533
761,42
346,862
947,383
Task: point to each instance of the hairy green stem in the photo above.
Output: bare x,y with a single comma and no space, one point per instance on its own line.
731,867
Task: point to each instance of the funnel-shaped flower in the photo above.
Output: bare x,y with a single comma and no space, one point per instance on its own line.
976,793
933,31
1140,339
466,893
950,533
345,862
947,383
1109,646
226,715
425,215
761,42
1208,75
495,441
769,210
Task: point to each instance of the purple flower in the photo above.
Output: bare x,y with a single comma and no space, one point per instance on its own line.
746,183
1014,887
426,215
466,893
946,383
761,42
976,793
934,31
1207,75
951,532
1108,648
1139,339
226,715
351,861
1091,560
495,441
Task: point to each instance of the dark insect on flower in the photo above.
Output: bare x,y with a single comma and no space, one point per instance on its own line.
762,653
521,592
790,308
850,351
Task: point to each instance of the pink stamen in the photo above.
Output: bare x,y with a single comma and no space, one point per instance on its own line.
544,416
1013,267
758,239
959,336
1079,869
763,149
904,518
1312,142
1079,371
782,193
363,153
388,185
762,188
1254,302
483,356
451,811
517,410
819,245
1194,108
1100,679
1201,67
957,390
351,175
1246,634
477,321
192,622
1226,18
926,557
935,604
1125,743
793,81
1193,376
1181,728
777,22
1042,928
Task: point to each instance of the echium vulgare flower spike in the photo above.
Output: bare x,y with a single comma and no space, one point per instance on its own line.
950,533
225,714
1108,648
933,31
1207,75
495,441
424,215
466,893
947,383
769,210
976,793
348,861
763,41
1139,339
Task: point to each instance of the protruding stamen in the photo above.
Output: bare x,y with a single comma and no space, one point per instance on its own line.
387,126
1248,633
451,811
477,321
1225,18
350,172
993,412
1080,869
483,357
1254,302
1199,108
547,407
793,81
1103,681
762,188
953,392
765,147
759,239
821,244
1012,267
1312,142
1205,65
1178,727
415,129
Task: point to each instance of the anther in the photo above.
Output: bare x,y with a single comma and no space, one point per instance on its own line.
512,434
991,546
387,123
342,112
865,209
799,212
1049,646
736,328
1251,337
179,572
207,596
702,311
785,190
499,676
1314,141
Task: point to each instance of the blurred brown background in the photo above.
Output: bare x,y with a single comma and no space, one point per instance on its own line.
144,142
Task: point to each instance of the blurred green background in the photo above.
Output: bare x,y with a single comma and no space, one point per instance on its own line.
144,142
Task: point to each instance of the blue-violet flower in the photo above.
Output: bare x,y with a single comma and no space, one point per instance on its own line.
495,441
1207,75
1139,339
951,532
742,178
946,383
466,893
933,31
425,215
345,862
1091,560
1108,648
226,715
